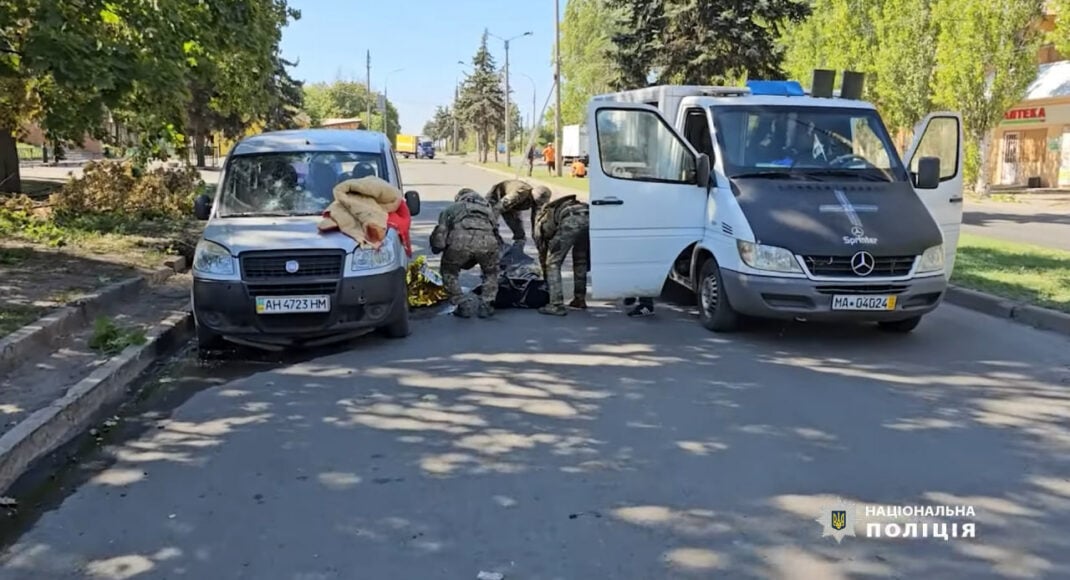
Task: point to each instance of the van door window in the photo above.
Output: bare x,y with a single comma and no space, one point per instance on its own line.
941,139
697,132
637,145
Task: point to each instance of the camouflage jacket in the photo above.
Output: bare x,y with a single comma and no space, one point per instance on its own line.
471,214
551,214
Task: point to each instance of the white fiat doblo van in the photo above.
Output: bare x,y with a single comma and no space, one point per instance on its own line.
263,273
770,202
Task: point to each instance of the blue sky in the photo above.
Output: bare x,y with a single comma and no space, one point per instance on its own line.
426,38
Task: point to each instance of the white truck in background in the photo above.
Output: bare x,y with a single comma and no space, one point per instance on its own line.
573,143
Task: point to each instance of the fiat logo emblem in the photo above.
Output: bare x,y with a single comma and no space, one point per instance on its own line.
863,263
292,266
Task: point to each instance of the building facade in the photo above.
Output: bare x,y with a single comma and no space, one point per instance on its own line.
1031,146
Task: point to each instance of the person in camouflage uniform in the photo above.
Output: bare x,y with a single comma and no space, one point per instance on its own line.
563,226
513,196
467,235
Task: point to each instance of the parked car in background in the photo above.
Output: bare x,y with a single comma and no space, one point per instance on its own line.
426,149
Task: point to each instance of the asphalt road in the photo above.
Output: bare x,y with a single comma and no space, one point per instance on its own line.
593,446
1046,225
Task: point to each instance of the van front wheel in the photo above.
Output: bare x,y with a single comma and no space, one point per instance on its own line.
714,310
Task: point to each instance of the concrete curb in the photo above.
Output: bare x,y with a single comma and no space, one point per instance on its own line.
532,180
44,332
1042,318
49,428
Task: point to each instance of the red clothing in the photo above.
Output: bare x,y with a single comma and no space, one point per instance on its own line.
401,220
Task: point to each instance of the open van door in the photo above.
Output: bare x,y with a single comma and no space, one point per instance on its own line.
648,198
940,135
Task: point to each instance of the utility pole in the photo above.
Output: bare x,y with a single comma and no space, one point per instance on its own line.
557,86
508,117
369,120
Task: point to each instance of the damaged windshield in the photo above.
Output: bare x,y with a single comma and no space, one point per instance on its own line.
291,184
806,141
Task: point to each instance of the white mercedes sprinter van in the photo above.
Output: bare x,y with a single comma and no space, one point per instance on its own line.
767,201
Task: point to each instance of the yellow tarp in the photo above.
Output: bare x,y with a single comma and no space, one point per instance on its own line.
425,285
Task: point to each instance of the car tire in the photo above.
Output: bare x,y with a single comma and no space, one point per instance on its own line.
714,309
207,341
399,328
900,326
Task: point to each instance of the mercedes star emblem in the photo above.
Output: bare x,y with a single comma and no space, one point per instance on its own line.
292,266
857,231
863,263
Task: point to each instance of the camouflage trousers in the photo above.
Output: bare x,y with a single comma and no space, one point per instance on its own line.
572,235
459,257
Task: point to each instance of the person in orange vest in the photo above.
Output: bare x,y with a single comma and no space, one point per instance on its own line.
549,155
579,168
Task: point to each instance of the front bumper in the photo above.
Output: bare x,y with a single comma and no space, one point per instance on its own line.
357,304
790,298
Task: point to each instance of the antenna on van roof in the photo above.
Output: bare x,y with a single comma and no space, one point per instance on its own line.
824,84
852,85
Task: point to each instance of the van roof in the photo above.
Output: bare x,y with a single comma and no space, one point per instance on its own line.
302,140
714,95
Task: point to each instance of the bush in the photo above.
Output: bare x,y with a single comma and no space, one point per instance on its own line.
116,189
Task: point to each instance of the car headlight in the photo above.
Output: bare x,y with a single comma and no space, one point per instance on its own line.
769,258
369,258
932,260
212,258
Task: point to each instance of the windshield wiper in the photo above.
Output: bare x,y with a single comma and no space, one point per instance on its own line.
861,174
772,174
258,214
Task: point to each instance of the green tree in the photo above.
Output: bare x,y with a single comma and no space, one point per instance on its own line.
344,99
702,41
838,35
233,59
587,69
1060,36
985,59
905,42
68,64
481,102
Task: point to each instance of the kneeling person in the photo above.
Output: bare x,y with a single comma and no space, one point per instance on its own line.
467,235
563,226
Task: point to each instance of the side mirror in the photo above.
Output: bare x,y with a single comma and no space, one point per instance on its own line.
702,171
202,207
412,199
928,173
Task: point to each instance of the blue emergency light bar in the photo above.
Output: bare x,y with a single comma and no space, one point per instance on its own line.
776,88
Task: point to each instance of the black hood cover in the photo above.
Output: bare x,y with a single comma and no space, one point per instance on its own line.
835,218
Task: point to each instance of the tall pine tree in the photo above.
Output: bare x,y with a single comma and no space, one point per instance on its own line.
481,103
701,41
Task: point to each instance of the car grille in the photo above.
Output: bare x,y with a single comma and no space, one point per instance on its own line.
271,266
840,266
292,289
865,289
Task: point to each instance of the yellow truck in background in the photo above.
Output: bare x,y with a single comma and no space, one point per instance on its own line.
414,146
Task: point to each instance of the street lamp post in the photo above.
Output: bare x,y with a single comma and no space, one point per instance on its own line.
508,117
386,101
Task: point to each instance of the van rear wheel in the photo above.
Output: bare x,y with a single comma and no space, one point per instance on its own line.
714,309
